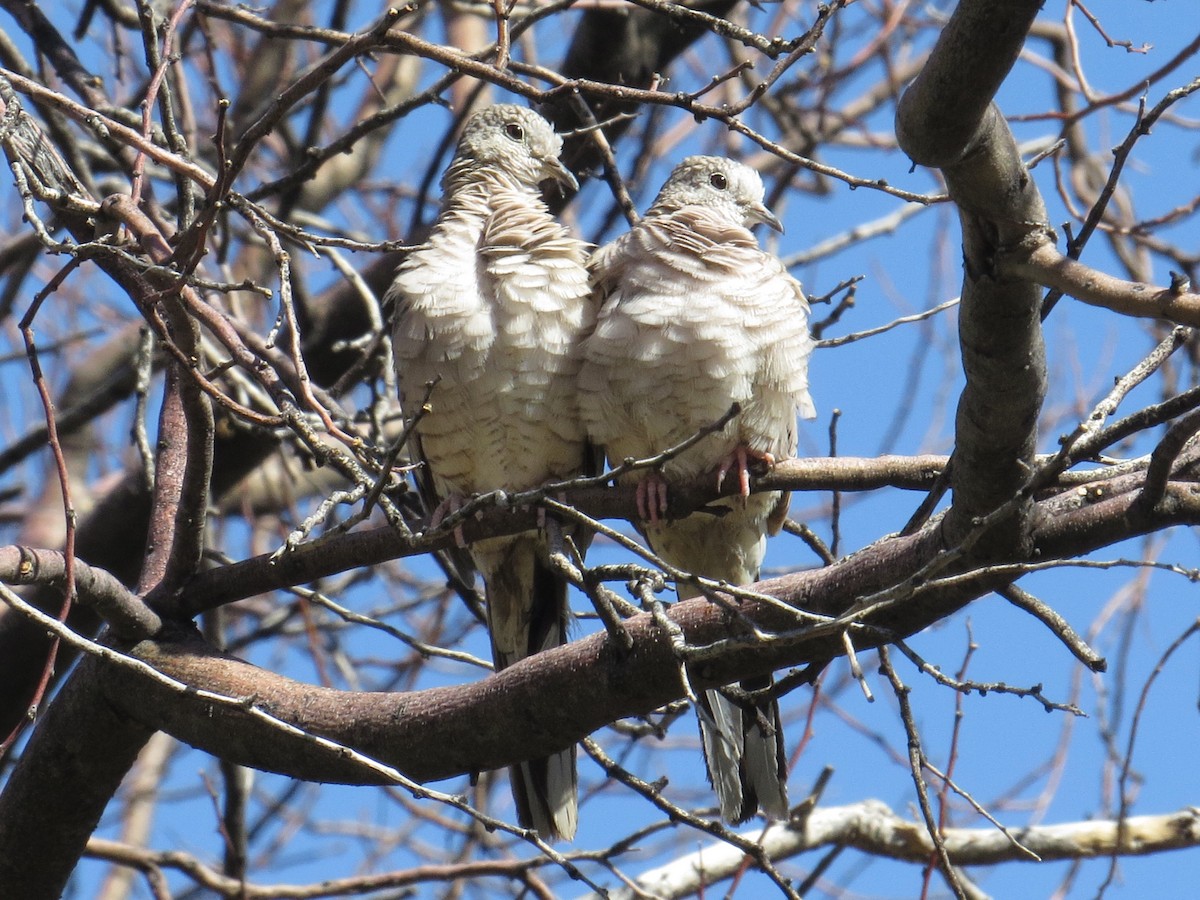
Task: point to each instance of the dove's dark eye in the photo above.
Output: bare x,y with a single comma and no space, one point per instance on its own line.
514,131
719,181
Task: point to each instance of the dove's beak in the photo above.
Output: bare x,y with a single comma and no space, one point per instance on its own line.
756,212
554,168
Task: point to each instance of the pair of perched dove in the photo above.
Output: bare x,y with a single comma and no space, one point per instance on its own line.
527,352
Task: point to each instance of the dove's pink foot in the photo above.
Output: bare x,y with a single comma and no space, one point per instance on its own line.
652,497
739,459
447,507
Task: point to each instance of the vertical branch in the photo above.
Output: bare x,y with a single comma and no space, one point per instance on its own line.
236,781
183,469
158,64
946,119
835,501
916,761
175,540
955,733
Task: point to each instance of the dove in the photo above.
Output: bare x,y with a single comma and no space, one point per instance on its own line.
489,314
693,317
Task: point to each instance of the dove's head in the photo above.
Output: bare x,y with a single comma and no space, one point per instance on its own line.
730,188
516,142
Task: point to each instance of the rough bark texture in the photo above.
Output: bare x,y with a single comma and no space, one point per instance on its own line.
946,119
79,754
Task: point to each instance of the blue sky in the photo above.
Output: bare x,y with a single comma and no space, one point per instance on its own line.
1136,613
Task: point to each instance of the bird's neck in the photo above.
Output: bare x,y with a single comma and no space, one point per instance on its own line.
467,184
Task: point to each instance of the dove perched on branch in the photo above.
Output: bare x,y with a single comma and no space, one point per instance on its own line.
489,315
694,318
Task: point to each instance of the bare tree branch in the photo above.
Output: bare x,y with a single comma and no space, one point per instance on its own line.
875,829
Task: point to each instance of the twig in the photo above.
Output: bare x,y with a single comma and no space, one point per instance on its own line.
983,688
835,500
64,482
850,286
1162,462
1127,762
1142,125
1058,626
653,793
855,668
810,537
895,323
979,808
917,763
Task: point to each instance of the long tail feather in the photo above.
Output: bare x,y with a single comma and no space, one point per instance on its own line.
744,756
743,748
527,613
